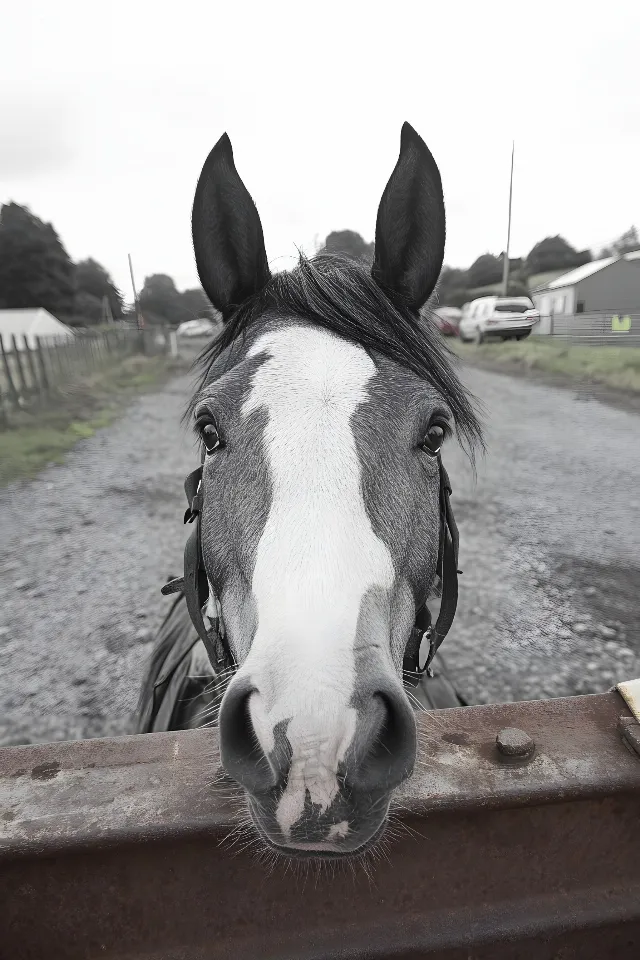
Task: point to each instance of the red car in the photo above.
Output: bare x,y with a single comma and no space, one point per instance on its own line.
448,320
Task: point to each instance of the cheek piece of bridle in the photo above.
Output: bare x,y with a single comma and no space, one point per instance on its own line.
195,587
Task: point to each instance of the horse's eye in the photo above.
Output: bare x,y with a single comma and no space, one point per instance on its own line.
434,439
210,437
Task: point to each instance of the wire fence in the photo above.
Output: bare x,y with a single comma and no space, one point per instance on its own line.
32,368
597,329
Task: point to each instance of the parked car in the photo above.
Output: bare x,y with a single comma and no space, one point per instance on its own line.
509,318
197,328
447,320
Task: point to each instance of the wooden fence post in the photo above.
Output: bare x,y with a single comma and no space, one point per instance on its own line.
65,357
35,381
83,352
13,393
18,362
4,417
76,351
56,352
43,368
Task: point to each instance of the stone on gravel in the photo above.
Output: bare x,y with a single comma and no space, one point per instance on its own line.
607,632
21,585
144,635
590,592
579,628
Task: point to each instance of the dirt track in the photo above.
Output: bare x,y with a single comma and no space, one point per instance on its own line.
85,549
550,548
550,545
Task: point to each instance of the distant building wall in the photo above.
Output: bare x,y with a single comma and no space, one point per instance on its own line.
615,288
553,303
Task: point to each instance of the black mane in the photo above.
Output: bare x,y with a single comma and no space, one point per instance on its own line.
340,295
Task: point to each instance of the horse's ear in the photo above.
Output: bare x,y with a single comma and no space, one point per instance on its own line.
227,233
410,228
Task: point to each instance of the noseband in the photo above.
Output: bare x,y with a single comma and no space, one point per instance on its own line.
195,587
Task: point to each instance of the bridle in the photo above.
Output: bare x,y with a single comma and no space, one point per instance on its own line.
195,587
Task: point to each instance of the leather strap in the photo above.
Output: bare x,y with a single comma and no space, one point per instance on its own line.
195,586
194,583
448,571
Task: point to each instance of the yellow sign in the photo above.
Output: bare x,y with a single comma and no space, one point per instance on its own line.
620,324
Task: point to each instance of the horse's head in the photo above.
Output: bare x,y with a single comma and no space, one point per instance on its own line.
322,414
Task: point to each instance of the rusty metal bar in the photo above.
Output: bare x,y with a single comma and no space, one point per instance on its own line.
116,849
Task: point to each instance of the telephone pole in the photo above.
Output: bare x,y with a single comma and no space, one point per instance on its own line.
135,296
505,266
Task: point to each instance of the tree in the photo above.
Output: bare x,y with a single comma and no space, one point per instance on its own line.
35,269
516,288
628,242
93,281
485,270
160,301
453,286
554,253
197,304
350,244
87,310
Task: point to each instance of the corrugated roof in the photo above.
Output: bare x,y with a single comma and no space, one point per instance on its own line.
580,273
588,269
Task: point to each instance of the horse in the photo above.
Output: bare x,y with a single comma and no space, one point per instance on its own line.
322,517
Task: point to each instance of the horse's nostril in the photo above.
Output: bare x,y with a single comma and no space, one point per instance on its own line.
385,746
242,756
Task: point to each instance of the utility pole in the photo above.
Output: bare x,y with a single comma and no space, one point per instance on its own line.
505,266
135,296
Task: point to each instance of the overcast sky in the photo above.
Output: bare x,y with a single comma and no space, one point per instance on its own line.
107,112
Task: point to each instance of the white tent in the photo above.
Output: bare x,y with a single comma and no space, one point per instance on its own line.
30,323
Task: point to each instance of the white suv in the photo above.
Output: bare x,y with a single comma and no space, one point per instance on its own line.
505,317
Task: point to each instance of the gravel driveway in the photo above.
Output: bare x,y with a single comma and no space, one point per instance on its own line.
550,548
85,550
550,545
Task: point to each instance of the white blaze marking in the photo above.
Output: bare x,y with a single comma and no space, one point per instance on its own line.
317,557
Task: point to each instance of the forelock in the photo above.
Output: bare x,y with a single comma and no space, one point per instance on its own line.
340,295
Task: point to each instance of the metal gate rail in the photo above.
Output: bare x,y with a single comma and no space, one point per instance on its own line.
112,849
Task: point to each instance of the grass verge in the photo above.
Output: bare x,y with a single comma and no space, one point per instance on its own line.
44,434
617,368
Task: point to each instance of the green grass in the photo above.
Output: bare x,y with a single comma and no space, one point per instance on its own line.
46,433
616,367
